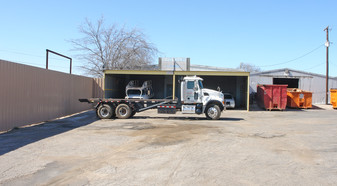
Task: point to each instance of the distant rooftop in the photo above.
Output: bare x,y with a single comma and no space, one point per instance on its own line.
184,64
211,68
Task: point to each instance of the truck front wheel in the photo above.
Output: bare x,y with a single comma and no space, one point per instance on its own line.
104,111
213,112
123,111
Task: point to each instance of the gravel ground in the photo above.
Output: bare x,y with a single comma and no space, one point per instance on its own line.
293,147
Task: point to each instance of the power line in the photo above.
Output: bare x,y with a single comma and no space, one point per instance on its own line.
294,58
32,55
38,65
314,66
28,63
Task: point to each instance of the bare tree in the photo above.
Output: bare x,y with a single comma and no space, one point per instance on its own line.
249,68
112,48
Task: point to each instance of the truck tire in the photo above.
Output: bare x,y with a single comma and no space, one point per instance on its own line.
123,111
213,112
104,111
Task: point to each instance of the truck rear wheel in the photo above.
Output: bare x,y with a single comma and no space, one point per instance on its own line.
213,112
104,111
123,111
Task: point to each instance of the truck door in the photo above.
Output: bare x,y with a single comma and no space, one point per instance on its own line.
192,92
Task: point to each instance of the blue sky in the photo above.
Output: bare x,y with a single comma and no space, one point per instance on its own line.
214,33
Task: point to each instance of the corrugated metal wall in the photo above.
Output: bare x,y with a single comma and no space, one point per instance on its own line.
31,95
314,83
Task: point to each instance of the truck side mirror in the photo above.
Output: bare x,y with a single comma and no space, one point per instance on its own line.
196,95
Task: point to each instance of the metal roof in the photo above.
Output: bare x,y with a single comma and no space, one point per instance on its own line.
288,69
211,68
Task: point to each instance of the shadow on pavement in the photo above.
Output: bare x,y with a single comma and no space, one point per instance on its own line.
187,118
316,107
255,107
17,138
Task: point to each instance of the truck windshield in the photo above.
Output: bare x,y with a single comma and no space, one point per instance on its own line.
200,84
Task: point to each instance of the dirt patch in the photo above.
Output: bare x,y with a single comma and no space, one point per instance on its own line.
164,135
138,126
268,135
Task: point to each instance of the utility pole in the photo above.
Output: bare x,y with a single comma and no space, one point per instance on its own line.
327,44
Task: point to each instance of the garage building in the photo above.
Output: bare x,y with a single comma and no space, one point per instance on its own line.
314,83
166,83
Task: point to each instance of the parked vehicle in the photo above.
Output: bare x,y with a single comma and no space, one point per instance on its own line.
229,100
194,99
134,91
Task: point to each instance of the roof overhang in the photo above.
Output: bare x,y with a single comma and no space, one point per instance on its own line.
211,73
139,72
187,73
289,77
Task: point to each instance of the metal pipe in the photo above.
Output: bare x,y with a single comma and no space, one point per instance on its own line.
152,106
47,51
58,54
47,59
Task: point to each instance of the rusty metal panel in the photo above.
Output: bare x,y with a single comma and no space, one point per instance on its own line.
31,95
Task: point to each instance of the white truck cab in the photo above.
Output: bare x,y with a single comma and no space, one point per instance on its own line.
197,99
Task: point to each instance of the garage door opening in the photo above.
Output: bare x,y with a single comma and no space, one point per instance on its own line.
291,82
166,85
233,85
115,85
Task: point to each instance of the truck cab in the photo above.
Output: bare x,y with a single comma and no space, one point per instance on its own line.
197,99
